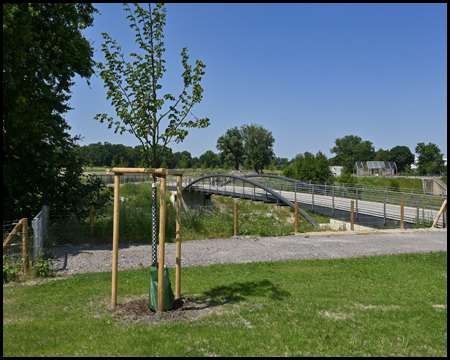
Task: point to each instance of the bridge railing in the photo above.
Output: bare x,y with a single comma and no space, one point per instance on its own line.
419,207
412,198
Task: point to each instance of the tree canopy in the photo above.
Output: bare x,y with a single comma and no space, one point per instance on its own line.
134,87
43,49
431,159
258,145
309,167
402,156
231,147
350,149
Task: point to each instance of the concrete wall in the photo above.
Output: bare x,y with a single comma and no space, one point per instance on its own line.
191,200
431,186
340,224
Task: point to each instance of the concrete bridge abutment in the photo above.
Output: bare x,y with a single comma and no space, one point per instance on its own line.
192,200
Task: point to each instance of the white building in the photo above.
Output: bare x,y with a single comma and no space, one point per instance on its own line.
416,160
336,170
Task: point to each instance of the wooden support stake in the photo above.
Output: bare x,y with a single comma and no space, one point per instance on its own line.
296,216
162,231
402,214
168,215
178,240
235,219
25,245
444,204
115,240
352,215
12,235
91,218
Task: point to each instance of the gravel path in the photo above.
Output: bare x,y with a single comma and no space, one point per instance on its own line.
82,259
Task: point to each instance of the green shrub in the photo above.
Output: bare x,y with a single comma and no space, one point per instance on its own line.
43,267
10,272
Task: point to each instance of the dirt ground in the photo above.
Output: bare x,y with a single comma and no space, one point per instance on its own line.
138,311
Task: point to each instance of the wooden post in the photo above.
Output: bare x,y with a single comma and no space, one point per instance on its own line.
446,217
12,235
352,216
25,245
115,240
91,218
402,214
444,204
178,240
296,217
235,219
168,215
162,231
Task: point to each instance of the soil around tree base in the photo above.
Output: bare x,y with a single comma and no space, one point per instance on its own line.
138,311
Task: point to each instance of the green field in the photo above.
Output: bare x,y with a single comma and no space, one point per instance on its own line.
370,306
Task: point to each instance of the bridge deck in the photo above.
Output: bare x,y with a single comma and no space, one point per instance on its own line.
365,211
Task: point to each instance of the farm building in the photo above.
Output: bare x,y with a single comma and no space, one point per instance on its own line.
375,168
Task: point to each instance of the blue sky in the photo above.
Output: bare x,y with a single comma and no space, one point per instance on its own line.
310,73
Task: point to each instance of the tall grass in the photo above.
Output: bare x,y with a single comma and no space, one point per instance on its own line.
216,221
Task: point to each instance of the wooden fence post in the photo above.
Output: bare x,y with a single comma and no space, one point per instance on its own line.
115,240
25,245
178,240
352,216
402,214
12,235
91,218
296,216
162,230
235,219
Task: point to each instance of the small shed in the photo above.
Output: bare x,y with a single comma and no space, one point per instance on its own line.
375,168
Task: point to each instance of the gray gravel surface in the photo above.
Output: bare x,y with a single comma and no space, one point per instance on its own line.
82,259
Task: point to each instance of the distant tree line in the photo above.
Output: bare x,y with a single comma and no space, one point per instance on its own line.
251,148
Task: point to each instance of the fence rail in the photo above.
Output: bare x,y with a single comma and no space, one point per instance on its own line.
332,199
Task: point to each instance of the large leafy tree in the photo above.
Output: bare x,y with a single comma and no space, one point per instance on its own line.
134,87
209,159
350,149
402,156
309,167
231,146
43,49
431,159
258,145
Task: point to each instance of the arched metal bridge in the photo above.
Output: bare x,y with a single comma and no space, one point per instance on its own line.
235,189
375,207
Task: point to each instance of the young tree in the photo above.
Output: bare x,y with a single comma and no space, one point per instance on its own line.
231,146
134,87
258,145
431,160
43,49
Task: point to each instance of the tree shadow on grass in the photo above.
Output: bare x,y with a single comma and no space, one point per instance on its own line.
237,292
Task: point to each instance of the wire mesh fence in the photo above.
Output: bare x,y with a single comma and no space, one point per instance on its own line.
15,248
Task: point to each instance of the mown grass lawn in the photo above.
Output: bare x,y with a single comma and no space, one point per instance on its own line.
370,306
